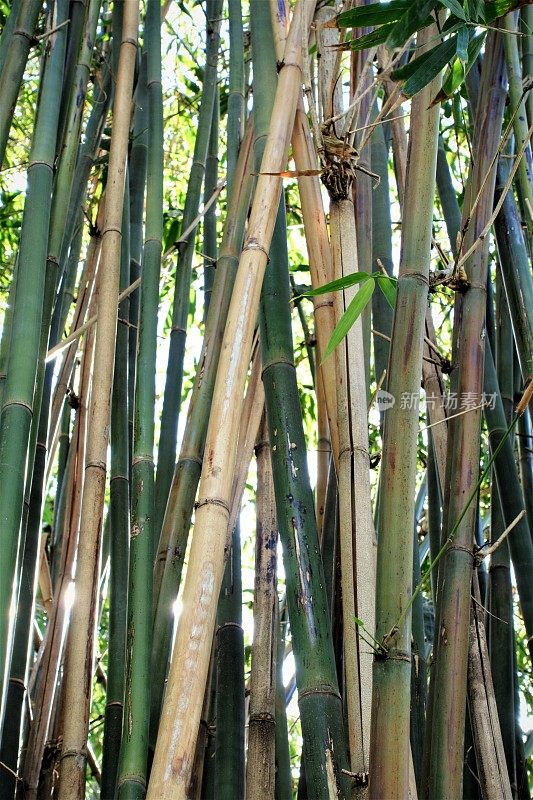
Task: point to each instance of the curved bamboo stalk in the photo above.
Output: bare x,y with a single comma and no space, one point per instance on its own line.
179,722
389,757
17,407
80,644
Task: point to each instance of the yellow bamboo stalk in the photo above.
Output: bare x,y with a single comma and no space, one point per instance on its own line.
316,235
81,639
178,730
357,537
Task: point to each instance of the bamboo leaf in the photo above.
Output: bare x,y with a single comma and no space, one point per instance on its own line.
341,283
458,71
388,286
462,44
436,61
372,39
374,14
455,7
351,314
411,21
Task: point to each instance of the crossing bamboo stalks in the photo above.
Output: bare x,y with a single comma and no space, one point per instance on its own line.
319,700
166,454
181,713
15,58
175,531
45,672
80,643
448,707
17,408
261,761
389,776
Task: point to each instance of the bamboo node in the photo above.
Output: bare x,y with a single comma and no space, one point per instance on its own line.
253,244
214,501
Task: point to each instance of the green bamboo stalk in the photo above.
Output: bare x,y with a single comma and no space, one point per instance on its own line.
448,197
229,742
166,454
80,644
210,218
516,275
261,761
526,21
524,175
5,338
525,444
16,412
77,18
179,722
389,755
137,176
15,58
446,734
7,30
418,653
283,787
175,531
320,709
236,115
134,752
511,497
119,516
381,247
501,635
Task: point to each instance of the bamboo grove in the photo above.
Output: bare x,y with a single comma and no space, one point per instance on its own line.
266,381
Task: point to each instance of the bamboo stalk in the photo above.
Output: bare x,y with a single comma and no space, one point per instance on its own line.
389,757
179,721
134,752
319,700
261,763
119,516
166,454
455,573
210,219
17,407
492,767
230,717
15,58
46,668
80,644
175,531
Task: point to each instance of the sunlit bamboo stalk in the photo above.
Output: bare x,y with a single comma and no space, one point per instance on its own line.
179,721
80,644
